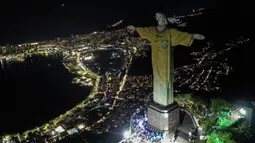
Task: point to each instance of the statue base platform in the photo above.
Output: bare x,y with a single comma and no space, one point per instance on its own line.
164,118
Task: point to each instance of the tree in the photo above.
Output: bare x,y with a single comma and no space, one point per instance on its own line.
218,105
243,132
184,97
220,137
226,137
195,111
207,124
197,99
244,129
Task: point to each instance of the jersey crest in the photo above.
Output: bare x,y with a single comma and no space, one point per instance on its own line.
164,44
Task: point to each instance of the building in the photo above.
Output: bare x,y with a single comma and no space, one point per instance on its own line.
246,109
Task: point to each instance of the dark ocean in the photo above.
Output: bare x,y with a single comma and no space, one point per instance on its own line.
35,92
40,89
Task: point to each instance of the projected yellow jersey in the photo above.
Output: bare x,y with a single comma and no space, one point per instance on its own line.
162,59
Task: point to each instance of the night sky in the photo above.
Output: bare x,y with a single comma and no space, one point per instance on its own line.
29,21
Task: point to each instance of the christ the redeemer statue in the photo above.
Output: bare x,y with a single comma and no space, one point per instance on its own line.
162,40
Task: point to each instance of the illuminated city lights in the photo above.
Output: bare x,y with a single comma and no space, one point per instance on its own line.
59,129
81,126
115,95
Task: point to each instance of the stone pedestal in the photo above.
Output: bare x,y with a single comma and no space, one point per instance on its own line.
164,118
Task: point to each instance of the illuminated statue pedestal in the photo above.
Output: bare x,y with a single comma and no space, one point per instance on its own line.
164,118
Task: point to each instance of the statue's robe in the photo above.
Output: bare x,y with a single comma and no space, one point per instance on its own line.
162,59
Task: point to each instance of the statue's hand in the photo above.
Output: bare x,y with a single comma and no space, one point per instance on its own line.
131,28
182,24
198,36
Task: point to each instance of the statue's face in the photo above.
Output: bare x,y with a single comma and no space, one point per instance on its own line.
162,20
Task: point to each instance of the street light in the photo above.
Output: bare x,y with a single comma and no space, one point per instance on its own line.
127,134
242,111
202,137
81,126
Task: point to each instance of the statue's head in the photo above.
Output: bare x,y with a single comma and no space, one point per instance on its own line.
161,18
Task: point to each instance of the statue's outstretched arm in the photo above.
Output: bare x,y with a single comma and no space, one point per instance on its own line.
144,32
198,36
183,38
